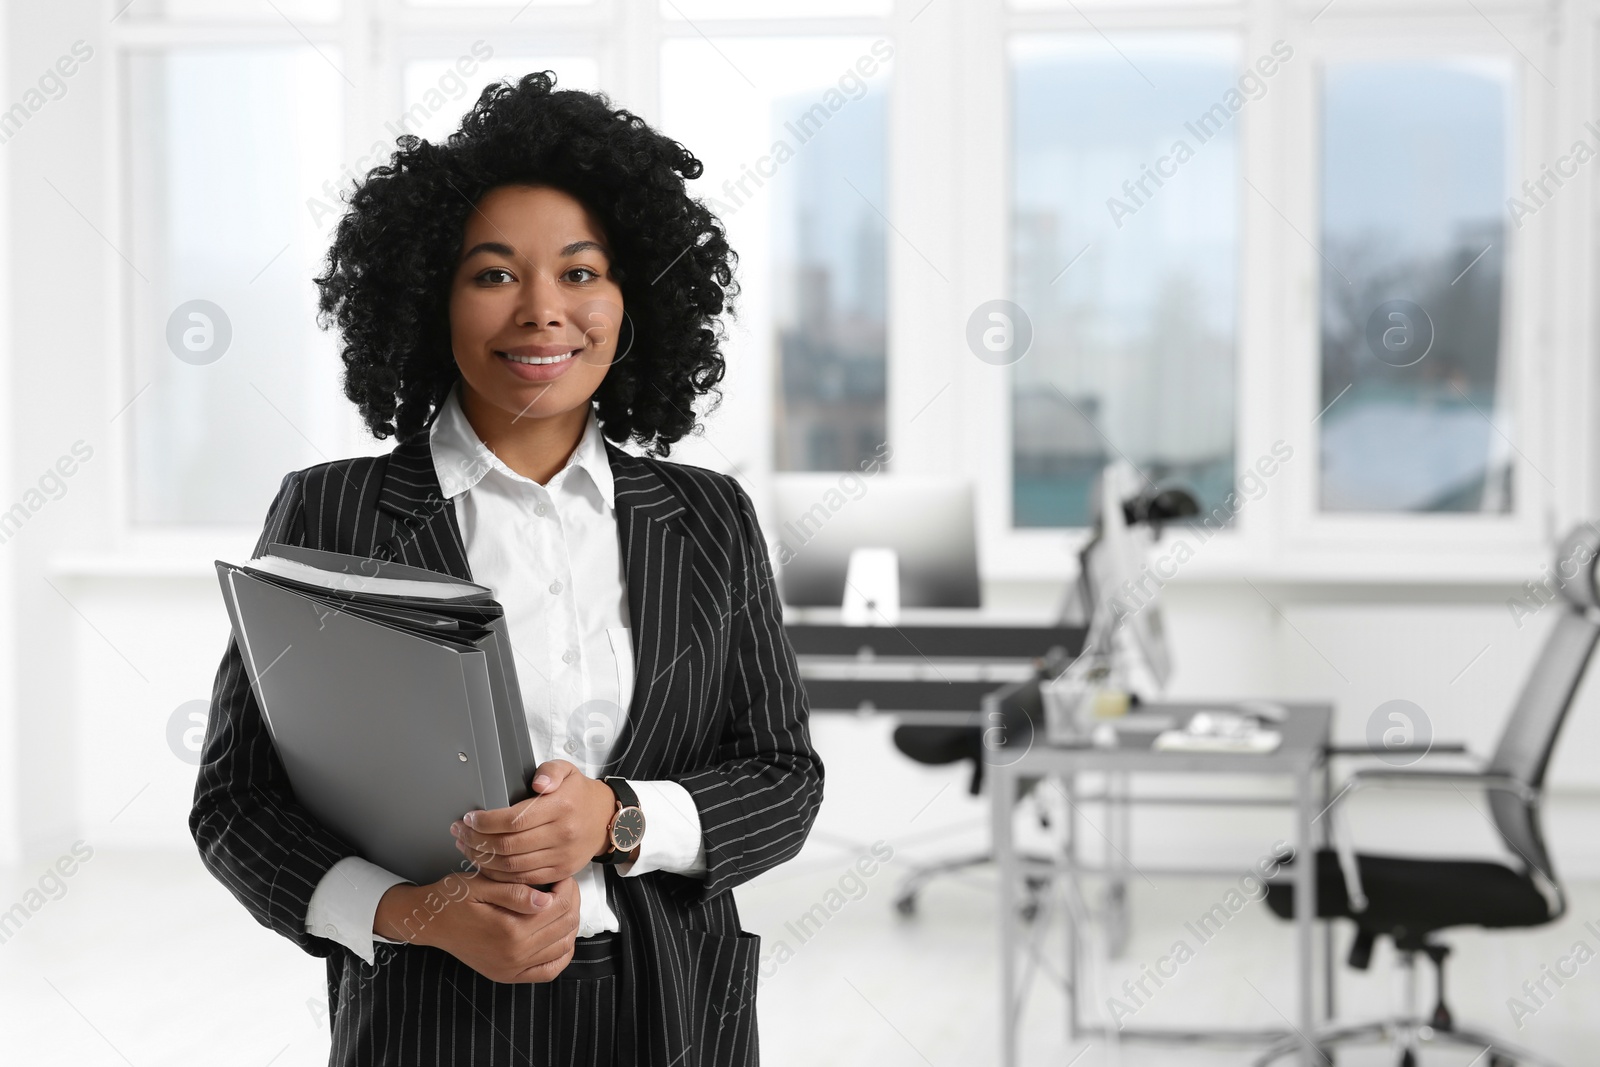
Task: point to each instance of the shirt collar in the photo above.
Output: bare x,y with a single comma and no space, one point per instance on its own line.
461,459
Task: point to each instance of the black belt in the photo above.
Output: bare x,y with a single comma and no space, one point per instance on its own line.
595,956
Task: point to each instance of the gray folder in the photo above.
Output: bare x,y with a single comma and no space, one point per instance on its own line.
393,715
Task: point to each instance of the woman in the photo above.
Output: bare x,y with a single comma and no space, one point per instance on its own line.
513,303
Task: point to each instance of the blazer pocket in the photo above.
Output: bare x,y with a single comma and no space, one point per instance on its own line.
723,976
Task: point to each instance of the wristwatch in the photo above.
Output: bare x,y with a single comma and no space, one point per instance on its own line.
627,823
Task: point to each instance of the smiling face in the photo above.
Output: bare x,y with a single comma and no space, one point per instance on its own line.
534,312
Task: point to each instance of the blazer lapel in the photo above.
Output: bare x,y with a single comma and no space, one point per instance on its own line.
426,533
658,561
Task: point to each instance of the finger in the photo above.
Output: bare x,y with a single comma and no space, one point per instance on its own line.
553,829
541,877
549,775
564,888
513,896
514,862
500,820
547,972
545,965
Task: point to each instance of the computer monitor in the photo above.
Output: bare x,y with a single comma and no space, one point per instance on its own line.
928,521
1122,595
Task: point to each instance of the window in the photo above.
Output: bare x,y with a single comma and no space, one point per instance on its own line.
1415,411
232,382
1204,254
1124,245
794,154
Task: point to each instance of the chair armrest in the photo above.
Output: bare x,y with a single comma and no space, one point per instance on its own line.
1443,748
1431,778
1344,847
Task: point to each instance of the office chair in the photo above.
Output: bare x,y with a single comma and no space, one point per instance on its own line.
1411,899
1017,710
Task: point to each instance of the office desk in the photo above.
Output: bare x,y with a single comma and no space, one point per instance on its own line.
934,668
1300,758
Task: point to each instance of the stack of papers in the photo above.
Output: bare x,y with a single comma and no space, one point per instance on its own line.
390,694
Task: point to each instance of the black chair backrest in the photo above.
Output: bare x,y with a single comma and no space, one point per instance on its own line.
1529,737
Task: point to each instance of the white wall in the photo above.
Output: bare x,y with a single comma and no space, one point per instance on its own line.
60,385
10,849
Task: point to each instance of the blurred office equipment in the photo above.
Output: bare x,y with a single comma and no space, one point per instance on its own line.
1299,760
872,588
1012,717
1409,899
1117,595
947,683
927,521
1113,561
1116,591
872,548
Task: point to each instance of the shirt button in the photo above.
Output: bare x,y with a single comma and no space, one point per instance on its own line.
540,509
569,656
555,587
571,747
330,930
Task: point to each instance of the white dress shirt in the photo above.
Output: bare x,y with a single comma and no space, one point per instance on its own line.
551,555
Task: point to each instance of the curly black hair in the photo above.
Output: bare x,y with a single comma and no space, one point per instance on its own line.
389,268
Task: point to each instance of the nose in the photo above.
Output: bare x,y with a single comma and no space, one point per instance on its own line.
542,303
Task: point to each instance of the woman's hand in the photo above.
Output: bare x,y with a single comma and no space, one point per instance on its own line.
505,932
552,835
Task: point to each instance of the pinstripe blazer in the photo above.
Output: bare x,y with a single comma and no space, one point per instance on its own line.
717,706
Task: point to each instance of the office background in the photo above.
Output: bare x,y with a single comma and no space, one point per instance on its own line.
938,156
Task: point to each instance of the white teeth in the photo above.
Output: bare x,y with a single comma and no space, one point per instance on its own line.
535,360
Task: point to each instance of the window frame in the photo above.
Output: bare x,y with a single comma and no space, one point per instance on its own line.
128,36
1283,536
1311,530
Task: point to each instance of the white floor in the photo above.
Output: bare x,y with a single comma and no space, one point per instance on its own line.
146,961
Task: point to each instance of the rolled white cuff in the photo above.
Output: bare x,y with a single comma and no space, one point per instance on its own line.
345,903
672,839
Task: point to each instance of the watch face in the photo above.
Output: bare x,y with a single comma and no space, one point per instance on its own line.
627,829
